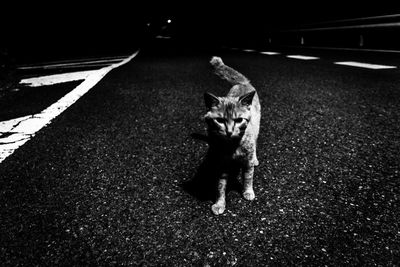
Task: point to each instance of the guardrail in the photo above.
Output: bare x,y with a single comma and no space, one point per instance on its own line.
377,33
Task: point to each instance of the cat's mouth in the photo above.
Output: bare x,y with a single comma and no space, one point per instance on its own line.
231,138
225,138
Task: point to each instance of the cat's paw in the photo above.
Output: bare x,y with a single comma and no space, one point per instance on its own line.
218,208
249,194
256,162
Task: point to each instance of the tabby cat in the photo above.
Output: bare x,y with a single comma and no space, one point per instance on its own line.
233,123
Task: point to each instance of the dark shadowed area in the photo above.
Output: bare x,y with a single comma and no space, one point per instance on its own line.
40,31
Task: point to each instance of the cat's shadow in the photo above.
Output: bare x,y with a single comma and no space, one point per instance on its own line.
203,184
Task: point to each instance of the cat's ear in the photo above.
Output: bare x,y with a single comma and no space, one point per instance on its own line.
210,100
247,99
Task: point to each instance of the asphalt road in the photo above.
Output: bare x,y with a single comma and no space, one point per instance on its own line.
118,179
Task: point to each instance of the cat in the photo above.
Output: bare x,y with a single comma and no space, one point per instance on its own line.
233,124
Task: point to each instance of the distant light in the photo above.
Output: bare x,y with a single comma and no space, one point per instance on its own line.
169,21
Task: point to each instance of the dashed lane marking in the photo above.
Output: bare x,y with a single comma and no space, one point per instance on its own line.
364,65
347,63
14,133
302,57
269,53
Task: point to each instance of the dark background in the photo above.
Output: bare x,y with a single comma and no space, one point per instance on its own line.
40,30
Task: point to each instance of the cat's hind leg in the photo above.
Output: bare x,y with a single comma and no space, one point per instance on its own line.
219,206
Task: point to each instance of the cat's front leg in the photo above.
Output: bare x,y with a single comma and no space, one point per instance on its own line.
248,192
219,206
255,159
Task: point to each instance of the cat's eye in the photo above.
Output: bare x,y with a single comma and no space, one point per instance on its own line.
238,120
220,120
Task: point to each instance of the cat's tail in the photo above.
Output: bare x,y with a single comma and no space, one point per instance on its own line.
227,73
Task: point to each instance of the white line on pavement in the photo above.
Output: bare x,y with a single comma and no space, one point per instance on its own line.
15,133
73,63
6,126
57,78
269,53
364,65
302,57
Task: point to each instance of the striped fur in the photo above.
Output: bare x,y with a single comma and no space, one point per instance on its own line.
233,123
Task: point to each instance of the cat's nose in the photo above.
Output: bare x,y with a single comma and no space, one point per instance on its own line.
228,133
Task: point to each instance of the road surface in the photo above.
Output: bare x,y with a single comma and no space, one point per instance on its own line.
117,179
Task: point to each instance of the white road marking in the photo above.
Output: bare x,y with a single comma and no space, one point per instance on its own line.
75,63
347,63
89,65
6,126
57,78
81,64
348,49
364,65
163,37
269,53
14,133
302,57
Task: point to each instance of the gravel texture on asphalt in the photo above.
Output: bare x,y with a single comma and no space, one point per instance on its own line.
119,178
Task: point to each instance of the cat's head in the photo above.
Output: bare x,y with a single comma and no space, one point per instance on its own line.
228,117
